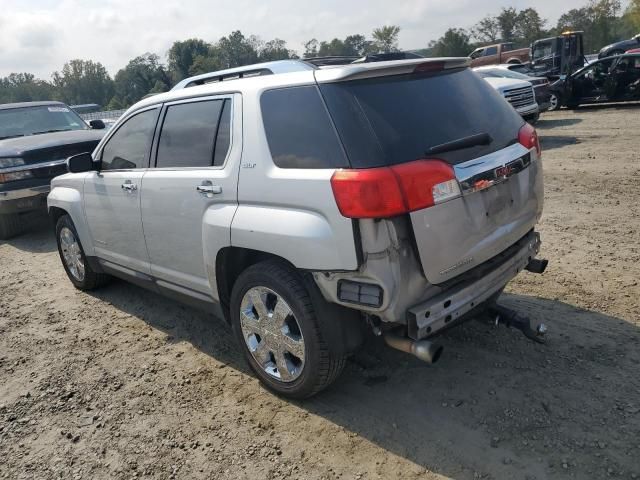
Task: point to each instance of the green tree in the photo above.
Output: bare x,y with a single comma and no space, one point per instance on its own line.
357,45
632,15
209,62
605,20
310,48
454,43
24,87
529,26
237,50
334,47
142,75
508,21
385,38
487,30
182,55
83,81
275,49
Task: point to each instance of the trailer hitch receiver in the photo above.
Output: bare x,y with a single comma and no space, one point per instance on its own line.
511,318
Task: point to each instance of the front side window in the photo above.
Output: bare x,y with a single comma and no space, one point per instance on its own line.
597,69
130,145
542,50
299,130
189,132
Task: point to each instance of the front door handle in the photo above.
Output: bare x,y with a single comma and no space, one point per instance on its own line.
129,187
209,189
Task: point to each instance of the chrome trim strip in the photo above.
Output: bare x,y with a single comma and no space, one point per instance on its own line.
484,172
33,166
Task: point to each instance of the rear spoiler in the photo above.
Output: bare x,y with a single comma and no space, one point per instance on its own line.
394,67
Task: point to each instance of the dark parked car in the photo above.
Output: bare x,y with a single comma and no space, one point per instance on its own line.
35,140
619,48
611,79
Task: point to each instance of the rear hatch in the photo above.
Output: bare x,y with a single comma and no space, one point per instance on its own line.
390,120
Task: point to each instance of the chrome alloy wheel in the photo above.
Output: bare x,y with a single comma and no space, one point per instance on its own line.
553,102
272,334
72,253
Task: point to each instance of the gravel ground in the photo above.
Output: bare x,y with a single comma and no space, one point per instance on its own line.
122,383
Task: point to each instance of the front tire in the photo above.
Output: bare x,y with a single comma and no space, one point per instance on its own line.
276,325
554,102
73,258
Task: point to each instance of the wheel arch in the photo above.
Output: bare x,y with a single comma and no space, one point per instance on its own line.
342,327
55,213
68,201
230,263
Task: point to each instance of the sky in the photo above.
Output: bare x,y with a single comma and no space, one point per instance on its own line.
39,36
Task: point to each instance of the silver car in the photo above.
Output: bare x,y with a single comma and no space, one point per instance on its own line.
312,206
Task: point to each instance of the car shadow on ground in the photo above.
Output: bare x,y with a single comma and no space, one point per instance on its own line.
549,142
37,236
545,123
608,106
497,404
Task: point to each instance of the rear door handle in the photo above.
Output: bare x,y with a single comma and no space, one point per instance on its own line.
209,189
129,187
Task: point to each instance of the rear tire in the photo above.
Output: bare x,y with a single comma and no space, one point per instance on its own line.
273,318
10,226
73,258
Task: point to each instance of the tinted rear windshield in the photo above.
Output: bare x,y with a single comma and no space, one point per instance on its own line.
396,119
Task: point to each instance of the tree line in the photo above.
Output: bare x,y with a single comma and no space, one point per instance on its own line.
86,81
603,21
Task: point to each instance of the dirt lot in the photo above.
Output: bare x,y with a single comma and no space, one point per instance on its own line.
124,384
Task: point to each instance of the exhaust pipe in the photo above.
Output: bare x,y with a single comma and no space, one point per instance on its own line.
425,350
537,265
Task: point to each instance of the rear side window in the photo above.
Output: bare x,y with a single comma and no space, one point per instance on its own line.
491,51
130,145
188,135
299,130
396,119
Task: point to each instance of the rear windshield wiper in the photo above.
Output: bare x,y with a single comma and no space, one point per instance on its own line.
459,144
12,136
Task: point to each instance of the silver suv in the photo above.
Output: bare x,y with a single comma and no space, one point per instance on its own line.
310,206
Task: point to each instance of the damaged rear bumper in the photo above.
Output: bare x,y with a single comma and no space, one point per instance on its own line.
433,315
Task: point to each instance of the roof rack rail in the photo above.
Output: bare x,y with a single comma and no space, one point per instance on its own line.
258,69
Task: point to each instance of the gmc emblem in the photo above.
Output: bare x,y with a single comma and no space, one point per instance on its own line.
504,171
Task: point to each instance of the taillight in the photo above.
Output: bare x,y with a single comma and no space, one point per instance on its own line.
390,191
528,138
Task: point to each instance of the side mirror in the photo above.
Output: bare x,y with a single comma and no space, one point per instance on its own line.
83,162
97,124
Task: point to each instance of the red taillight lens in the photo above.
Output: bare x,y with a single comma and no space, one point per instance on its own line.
389,191
528,137
367,193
